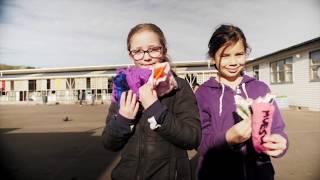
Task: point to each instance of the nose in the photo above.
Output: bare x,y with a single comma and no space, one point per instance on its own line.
233,60
146,57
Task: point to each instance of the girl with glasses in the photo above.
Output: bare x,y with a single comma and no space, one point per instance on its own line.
159,152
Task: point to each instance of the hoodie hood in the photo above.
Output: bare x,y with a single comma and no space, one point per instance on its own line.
213,83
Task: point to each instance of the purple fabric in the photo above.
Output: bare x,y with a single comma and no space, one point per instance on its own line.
135,78
214,127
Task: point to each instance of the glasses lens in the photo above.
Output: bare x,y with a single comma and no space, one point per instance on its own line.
155,52
137,54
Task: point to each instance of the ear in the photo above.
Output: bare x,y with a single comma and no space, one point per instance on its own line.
164,51
214,62
130,57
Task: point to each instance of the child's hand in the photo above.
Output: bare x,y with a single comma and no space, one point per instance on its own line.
239,132
128,105
147,95
275,145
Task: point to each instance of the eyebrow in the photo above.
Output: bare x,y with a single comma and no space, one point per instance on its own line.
140,48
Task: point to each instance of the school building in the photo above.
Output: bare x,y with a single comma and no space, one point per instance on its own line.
76,84
293,74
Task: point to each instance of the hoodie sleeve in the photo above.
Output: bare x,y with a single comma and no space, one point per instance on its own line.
210,138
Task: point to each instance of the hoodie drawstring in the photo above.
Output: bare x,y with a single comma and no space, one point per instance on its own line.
243,85
221,99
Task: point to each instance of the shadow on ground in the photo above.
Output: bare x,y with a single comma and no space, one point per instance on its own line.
63,156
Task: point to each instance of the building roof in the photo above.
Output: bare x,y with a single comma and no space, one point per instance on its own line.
285,49
85,71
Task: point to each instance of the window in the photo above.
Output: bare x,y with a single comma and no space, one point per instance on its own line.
109,88
32,85
281,71
12,85
48,84
256,72
88,83
315,65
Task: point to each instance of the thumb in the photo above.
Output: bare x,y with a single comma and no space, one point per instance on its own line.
154,93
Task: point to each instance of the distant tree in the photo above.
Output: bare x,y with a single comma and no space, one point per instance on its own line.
9,67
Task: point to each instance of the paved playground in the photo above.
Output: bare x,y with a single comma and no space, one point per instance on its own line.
41,142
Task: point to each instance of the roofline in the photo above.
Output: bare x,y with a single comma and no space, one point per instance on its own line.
286,49
63,69
93,68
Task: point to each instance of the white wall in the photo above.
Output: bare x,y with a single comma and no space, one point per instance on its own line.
301,92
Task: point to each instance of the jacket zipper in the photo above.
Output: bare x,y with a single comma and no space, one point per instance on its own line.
244,165
244,169
139,154
140,149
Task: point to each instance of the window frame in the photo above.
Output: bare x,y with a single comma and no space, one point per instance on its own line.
255,70
311,65
283,67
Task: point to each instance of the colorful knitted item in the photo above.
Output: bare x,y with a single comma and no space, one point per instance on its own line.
261,124
261,117
119,85
162,79
159,75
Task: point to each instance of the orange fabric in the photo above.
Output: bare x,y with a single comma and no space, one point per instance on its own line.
158,72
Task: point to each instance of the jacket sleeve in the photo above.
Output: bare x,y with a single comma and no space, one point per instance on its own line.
180,126
117,131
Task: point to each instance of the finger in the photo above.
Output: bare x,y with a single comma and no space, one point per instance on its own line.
123,99
136,108
142,89
274,152
277,138
129,98
133,101
154,93
274,146
147,87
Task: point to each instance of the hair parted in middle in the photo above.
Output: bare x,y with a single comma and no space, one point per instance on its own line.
151,28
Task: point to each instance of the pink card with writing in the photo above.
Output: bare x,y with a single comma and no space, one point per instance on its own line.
261,123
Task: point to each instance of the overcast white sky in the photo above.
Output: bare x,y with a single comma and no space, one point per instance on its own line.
61,33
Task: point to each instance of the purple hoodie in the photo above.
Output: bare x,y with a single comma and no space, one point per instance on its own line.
217,106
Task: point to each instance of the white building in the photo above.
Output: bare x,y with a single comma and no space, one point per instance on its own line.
66,85
293,74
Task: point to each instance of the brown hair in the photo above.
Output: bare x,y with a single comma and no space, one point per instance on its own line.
226,35
152,28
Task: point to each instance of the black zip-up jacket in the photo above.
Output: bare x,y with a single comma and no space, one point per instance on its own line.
160,153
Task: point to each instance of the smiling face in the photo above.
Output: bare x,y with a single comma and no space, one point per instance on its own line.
145,49
230,60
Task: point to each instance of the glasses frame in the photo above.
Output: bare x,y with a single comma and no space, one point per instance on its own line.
149,50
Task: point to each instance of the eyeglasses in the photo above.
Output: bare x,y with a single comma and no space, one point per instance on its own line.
154,52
